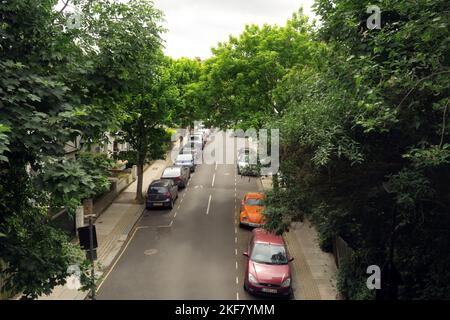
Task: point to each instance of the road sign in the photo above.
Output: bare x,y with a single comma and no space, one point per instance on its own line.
83,234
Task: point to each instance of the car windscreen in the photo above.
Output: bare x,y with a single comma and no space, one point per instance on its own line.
269,254
254,202
157,190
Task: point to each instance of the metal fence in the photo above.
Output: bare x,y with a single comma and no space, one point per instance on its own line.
4,294
341,250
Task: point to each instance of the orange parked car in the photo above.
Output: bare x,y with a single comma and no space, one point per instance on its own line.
252,208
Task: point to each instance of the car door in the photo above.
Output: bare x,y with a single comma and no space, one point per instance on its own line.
185,173
249,252
174,190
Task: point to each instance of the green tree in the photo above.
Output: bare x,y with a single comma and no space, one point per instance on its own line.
240,77
365,141
185,74
51,91
146,116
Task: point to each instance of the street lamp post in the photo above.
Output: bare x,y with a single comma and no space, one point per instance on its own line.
91,255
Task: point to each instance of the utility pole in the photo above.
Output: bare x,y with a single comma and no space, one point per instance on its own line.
91,255
88,241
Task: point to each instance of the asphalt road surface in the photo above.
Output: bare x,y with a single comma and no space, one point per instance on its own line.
193,251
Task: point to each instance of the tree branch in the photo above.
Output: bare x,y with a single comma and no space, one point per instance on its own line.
65,6
444,124
415,86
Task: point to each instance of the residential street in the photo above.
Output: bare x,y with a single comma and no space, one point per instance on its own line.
191,252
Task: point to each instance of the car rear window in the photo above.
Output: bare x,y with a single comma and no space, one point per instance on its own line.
196,138
184,157
171,173
187,150
157,190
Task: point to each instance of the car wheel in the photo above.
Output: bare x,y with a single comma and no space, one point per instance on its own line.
290,296
171,204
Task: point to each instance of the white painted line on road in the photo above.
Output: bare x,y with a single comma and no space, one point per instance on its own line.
175,215
237,295
216,166
209,204
237,280
171,223
235,252
236,265
235,230
181,200
235,239
214,178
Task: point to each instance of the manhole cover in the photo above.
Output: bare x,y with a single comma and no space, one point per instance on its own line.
150,252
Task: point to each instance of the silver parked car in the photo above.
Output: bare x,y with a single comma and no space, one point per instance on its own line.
179,175
186,160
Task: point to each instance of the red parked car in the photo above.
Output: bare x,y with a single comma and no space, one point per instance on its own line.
267,271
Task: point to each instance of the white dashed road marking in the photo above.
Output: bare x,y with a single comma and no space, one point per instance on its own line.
209,204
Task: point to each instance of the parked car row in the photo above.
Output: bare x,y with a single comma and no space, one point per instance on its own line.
267,269
164,191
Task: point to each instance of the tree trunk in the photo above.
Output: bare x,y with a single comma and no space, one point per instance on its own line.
140,177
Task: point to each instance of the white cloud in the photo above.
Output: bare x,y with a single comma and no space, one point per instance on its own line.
194,26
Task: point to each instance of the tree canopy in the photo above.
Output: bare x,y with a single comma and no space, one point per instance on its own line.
363,119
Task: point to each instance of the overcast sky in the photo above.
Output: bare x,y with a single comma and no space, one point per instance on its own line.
194,26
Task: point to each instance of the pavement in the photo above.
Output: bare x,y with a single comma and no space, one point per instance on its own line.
113,228
314,271
194,251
